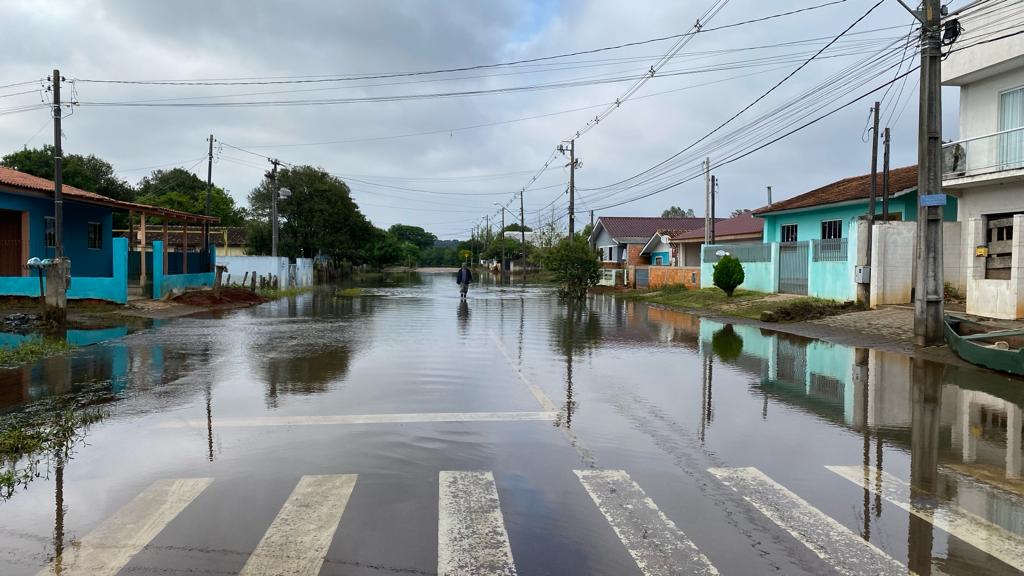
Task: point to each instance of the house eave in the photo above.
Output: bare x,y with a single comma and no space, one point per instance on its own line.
830,205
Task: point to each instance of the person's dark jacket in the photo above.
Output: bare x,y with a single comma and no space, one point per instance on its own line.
465,276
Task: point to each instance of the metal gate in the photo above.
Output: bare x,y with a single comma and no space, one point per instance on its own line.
793,267
643,276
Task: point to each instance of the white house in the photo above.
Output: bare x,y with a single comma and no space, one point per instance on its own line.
984,167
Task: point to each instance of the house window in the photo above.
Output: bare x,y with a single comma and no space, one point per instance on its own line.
831,229
1011,117
658,261
50,231
95,241
789,232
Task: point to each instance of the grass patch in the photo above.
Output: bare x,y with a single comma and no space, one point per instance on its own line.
350,293
746,304
31,350
274,294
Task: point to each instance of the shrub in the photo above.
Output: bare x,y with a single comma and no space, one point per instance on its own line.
728,274
575,266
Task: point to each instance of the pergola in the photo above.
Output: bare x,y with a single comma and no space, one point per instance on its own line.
167,216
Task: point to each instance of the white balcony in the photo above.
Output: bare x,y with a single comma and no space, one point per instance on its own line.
987,159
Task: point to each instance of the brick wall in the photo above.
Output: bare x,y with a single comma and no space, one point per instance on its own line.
674,276
633,256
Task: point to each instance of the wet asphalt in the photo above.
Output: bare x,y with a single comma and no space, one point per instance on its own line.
257,399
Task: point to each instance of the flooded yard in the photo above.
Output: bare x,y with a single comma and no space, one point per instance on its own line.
399,430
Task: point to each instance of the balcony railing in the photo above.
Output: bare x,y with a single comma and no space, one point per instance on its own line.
987,154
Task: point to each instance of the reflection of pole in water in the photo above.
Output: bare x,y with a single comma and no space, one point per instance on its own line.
861,374
878,473
209,422
570,404
926,396
705,395
58,523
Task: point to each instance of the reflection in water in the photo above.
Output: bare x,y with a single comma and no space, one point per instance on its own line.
577,332
727,344
292,372
463,316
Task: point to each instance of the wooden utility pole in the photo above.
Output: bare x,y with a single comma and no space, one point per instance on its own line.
928,288
209,191
58,174
885,175
874,172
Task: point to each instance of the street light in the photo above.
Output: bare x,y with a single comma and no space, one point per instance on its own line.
279,193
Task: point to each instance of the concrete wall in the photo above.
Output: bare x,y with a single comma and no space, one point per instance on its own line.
757,276
892,262
691,254
84,260
996,298
954,267
983,59
261,265
673,276
164,284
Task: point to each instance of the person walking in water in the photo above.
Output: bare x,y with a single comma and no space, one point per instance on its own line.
464,277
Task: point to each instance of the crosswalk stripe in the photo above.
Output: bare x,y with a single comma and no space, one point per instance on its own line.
658,547
298,538
471,536
346,419
108,548
844,550
986,536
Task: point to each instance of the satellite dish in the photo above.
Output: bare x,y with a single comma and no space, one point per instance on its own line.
665,239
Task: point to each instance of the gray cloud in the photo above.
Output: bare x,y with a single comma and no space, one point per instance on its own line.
128,39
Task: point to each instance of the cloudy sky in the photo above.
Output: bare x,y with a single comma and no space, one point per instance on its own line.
441,162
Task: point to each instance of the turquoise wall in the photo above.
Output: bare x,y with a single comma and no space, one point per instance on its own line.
666,258
757,276
163,284
113,288
809,221
84,261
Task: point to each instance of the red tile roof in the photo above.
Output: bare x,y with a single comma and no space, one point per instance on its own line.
855,188
623,227
16,179
742,225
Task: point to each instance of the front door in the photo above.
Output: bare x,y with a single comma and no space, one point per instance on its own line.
793,267
10,243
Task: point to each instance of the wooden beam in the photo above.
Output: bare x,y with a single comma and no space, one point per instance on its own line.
184,247
167,247
142,252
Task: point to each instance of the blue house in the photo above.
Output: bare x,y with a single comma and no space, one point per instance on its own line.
99,262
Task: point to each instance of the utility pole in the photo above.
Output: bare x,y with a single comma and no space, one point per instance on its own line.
59,274
272,176
928,289
874,173
209,188
707,200
769,195
885,175
522,229
502,240
572,187
714,185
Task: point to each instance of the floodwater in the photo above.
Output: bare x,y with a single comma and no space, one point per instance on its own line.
405,432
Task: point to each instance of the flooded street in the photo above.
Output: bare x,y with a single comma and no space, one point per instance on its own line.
402,431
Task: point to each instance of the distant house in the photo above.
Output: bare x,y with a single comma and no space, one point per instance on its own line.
682,247
620,240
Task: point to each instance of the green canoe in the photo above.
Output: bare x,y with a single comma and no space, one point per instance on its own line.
979,344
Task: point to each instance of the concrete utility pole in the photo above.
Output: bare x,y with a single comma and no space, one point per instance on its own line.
272,176
864,289
522,229
769,195
502,240
707,200
711,233
58,275
885,175
928,288
209,188
572,187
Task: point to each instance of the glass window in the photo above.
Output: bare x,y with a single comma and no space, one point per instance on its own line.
831,229
50,231
788,233
95,241
1011,116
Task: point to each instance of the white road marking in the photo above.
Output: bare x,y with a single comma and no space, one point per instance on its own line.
655,543
471,536
834,543
986,536
262,421
109,547
297,541
545,403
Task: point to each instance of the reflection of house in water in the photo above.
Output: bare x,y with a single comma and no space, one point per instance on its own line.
295,373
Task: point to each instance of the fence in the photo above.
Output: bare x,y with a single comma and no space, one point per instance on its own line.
753,252
759,261
289,275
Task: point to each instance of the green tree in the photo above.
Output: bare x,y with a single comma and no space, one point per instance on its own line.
517,227
413,234
319,217
677,212
513,248
85,172
728,274
179,189
574,265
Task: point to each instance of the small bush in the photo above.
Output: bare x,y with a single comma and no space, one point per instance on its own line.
728,274
574,265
